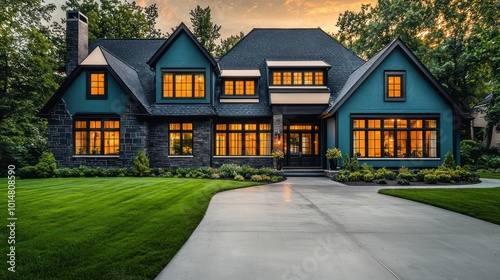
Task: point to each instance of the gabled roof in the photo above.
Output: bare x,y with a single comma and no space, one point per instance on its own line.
181,29
484,102
126,77
363,72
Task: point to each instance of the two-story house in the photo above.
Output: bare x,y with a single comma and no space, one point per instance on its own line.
297,90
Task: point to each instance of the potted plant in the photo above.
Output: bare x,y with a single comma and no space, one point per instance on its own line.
333,155
279,156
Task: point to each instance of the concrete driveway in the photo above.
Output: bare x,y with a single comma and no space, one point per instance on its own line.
314,228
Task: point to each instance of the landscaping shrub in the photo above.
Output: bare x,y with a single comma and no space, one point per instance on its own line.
256,178
421,174
276,179
384,173
229,170
470,151
365,168
368,177
430,178
346,163
27,172
239,178
443,176
405,174
247,171
267,171
141,165
355,176
342,176
381,181
402,181
46,167
215,176
181,172
449,161
354,165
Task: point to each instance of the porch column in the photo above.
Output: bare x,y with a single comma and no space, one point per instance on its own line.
278,132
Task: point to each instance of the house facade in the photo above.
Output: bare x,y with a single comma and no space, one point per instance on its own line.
296,90
479,124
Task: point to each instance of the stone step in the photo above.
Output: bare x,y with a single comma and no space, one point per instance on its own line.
303,172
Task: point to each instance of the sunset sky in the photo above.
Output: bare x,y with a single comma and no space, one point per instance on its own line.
243,15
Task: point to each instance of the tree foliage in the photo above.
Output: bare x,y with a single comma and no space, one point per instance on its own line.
204,29
28,77
457,39
227,44
117,19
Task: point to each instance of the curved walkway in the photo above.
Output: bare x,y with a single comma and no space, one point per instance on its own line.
314,228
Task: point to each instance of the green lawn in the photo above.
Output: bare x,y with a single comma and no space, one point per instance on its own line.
103,228
482,204
489,175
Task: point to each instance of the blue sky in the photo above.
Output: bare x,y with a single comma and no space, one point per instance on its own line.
243,15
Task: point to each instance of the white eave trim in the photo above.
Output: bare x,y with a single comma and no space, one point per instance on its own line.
240,73
298,63
95,58
297,87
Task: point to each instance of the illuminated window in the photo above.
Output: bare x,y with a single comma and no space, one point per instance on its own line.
297,78
239,87
97,85
308,78
238,139
318,78
97,137
395,137
287,78
277,78
183,85
180,137
395,86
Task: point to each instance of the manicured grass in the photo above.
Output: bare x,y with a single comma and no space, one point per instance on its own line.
103,228
489,175
482,204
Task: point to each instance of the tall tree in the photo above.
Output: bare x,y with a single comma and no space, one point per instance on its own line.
204,29
227,44
117,19
28,76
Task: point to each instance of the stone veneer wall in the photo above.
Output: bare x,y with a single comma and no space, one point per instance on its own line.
159,149
133,137
60,134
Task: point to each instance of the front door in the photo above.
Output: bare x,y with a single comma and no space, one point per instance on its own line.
301,146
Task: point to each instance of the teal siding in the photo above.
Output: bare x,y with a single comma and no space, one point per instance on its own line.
77,102
421,98
183,54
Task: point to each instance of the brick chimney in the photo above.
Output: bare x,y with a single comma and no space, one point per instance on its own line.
77,39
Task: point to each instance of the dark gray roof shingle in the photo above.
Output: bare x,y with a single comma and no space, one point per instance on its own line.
292,44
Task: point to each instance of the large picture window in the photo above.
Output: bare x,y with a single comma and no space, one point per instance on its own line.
96,85
239,88
183,85
243,139
97,137
298,78
180,137
395,137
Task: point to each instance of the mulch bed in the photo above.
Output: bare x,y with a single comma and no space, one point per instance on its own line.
394,183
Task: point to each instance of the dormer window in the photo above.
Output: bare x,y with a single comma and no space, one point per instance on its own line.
395,86
239,87
297,78
183,85
96,85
